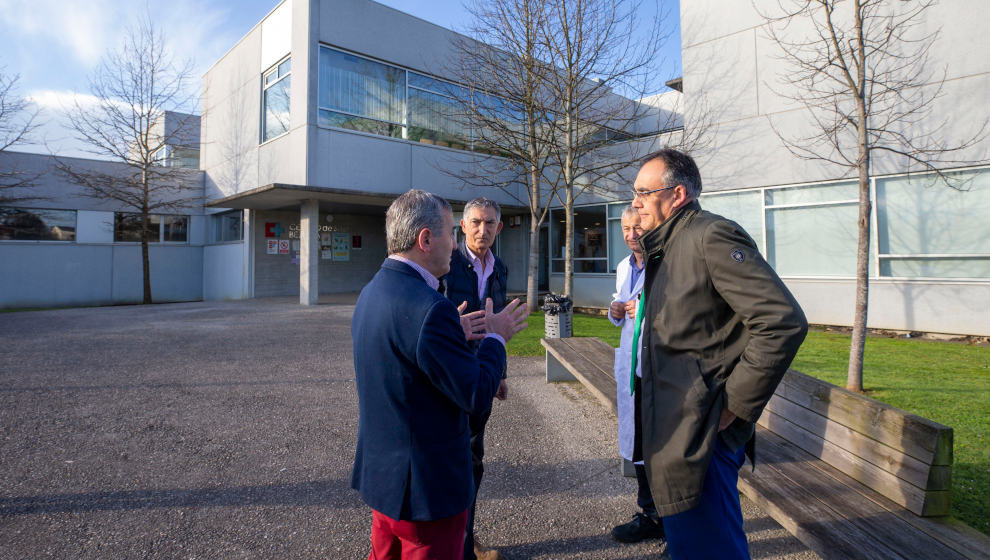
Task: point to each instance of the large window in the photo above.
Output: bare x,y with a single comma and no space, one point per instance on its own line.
811,230
276,84
361,94
36,224
926,229
589,244
923,228
227,226
435,116
745,208
162,228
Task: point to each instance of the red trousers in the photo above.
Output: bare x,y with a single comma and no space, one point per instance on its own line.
392,539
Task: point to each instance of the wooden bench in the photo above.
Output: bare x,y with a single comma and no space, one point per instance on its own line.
849,476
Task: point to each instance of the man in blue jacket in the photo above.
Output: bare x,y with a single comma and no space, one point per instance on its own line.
475,275
417,382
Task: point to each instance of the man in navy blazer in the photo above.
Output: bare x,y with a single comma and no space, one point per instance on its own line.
417,382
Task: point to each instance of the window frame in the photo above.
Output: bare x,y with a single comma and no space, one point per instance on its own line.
161,228
265,86
75,229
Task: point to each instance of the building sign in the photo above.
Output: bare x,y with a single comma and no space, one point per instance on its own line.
295,230
273,229
341,247
272,246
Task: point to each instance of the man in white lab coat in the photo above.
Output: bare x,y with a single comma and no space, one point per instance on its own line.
622,313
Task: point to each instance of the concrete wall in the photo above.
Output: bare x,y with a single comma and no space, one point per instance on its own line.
224,270
942,307
53,274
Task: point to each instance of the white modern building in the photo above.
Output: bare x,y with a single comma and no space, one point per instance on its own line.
327,109
930,261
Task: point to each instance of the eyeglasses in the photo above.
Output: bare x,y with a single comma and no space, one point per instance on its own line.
642,194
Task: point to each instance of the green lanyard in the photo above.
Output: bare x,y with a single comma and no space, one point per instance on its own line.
635,342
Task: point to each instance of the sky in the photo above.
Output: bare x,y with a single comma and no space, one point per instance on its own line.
55,45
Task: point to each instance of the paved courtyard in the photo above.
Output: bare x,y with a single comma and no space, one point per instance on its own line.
227,429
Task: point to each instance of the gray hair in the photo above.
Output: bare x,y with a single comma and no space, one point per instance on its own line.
680,170
409,214
482,202
630,211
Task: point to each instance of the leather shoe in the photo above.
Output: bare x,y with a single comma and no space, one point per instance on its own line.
487,553
640,528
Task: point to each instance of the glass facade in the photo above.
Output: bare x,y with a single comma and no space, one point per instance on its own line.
923,228
37,224
161,228
361,94
275,100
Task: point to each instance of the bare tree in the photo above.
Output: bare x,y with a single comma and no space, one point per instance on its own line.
135,86
551,66
18,118
505,55
862,71
596,48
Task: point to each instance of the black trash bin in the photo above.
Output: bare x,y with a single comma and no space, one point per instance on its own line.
558,312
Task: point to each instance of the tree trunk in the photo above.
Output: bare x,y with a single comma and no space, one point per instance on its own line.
857,346
145,260
568,241
533,274
854,377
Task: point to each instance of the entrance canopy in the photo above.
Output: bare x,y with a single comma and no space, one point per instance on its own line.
309,201
281,196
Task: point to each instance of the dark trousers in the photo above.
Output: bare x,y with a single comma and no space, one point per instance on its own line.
477,425
644,498
713,528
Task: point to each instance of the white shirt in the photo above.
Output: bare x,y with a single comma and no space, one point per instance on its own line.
488,268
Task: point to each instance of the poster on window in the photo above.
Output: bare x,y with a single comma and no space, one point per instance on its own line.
325,254
273,246
341,247
283,246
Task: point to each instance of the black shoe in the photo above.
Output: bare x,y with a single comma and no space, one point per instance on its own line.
640,528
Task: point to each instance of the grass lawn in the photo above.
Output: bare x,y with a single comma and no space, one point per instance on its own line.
944,381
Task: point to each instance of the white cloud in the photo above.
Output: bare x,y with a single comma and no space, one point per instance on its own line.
57,100
82,28
85,31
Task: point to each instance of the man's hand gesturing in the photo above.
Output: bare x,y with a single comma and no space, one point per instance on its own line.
472,323
508,322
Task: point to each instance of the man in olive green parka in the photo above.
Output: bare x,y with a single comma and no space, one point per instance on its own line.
719,330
